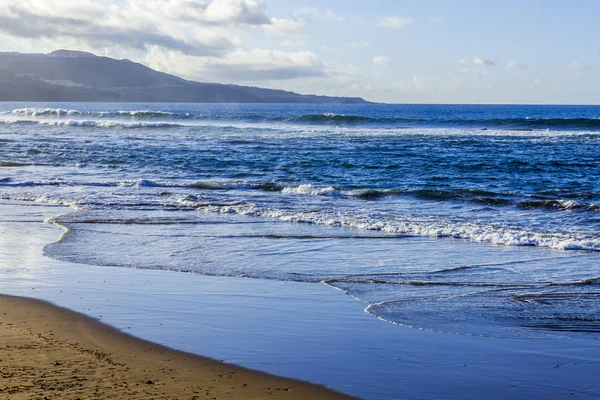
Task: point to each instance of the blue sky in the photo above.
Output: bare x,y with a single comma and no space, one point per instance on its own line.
425,51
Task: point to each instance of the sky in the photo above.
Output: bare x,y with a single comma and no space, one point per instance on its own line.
394,51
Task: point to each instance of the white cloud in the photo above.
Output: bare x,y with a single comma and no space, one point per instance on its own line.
333,16
480,61
239,66
231,11
476,60
292,43
220,12
514,66
394,22
283,26
197,39
577,66
189,26
313,12
381,60
362,43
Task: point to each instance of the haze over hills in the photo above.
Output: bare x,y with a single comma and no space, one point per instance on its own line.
79,76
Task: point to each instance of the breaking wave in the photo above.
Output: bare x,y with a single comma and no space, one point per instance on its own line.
461,195
93,123
59,112
518,124
413,226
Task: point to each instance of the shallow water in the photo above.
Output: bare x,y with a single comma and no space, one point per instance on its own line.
478,220
301,330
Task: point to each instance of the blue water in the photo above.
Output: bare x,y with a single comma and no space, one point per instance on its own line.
425,212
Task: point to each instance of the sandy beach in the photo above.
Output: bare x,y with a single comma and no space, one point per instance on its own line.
50,352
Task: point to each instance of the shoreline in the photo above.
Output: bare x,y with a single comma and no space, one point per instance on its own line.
52,351
302,330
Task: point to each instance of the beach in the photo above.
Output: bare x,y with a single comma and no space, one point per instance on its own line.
256,199
382,251
301,330
50,352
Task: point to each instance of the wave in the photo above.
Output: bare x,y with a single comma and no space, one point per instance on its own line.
471,195
366,194
364,279
563,205
517,124
459,193
12,164
59,112
412,226
385,223
334,281
533,123
309,189
427,194
303,189
486,123
335,119
483,197
504,315
92,123
206,185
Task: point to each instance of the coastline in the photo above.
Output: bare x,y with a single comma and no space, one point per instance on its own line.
51,351
307,331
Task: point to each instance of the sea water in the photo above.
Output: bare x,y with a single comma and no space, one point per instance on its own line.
477,220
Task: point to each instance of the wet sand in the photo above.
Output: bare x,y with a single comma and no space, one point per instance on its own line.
50,352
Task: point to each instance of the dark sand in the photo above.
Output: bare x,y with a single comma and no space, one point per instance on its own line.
47,352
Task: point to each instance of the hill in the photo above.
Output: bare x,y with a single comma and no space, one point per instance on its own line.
78,76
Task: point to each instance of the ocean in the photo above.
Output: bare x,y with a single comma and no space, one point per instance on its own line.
474,220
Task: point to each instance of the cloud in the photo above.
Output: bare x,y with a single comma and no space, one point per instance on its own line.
381,60
216,12
313,12
232,11
476,60
292,43
283,26
239,66
577,66
480,61
333,16
192,27
28,26
394,22
194,38
514,66
362,43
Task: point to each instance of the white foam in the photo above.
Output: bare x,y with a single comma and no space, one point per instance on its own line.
428,227
59,112
45,112
309,189
107,124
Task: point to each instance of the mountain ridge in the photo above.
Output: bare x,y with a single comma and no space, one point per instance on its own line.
67,75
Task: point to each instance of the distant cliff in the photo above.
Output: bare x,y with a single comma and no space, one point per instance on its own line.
78,76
